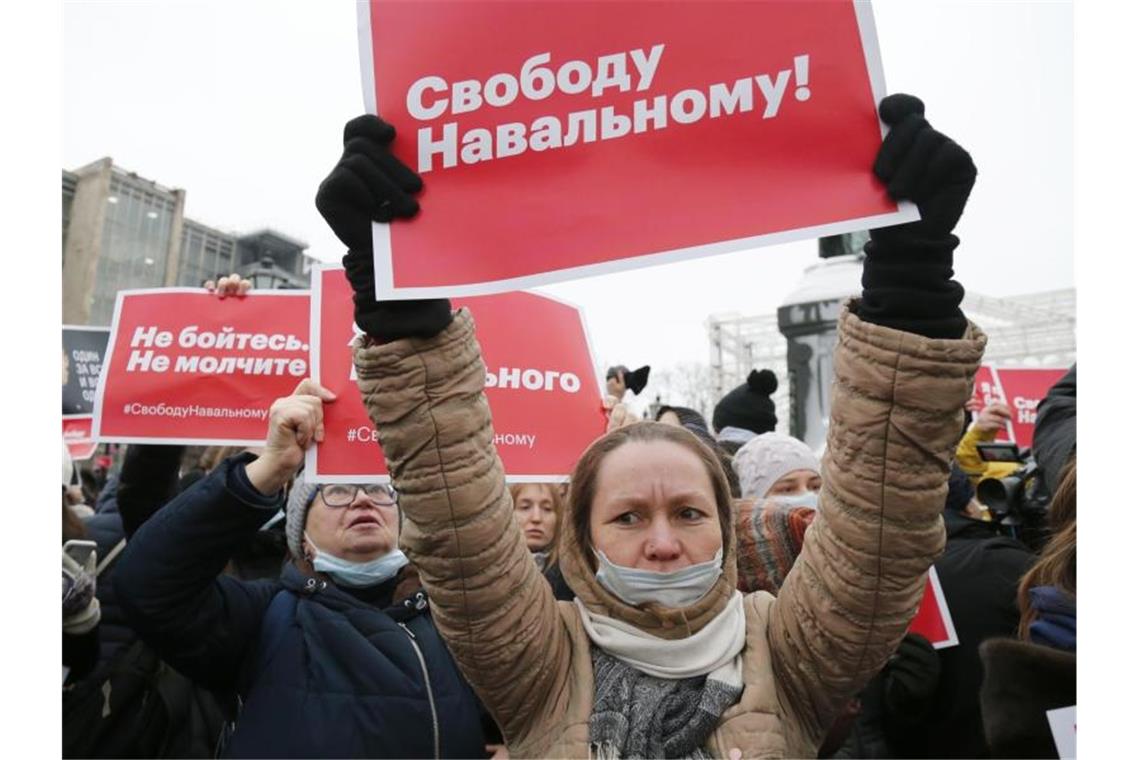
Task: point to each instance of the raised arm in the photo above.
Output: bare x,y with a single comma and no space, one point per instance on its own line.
421,376
904,367
169,579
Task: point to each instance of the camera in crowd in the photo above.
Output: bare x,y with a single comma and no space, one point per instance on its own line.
1019,501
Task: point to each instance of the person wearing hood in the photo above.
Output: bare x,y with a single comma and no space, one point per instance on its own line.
1025,678
339,656
659,654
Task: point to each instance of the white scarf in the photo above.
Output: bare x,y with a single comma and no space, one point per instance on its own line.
713,651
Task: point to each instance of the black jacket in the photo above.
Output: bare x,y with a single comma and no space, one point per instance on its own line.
321,672
1055,432
979,572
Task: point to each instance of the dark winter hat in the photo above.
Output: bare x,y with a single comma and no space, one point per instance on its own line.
689,418
960,492
749,406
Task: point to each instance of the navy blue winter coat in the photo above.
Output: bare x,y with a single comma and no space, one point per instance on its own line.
321,672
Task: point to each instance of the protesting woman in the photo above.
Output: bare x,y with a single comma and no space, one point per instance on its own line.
660,655
338,657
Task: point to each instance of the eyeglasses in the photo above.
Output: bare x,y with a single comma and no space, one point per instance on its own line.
343,494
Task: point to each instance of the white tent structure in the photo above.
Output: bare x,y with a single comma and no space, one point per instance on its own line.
1031,330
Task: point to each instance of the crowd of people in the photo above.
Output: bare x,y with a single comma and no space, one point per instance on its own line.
693,590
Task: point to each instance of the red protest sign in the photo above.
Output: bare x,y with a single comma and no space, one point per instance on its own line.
541,386
77,435
933,620
1019,388
184,366
580,138
1023,389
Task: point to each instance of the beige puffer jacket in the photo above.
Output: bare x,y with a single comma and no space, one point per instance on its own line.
896,415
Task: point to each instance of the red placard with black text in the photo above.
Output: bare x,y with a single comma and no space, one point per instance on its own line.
562,139
185,366
1019,388
933,621
541,386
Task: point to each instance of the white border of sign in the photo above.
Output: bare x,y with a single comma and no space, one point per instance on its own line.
311,473
944,610
1005,400
98,413
382,240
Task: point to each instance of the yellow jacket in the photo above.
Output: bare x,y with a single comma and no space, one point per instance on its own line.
972,464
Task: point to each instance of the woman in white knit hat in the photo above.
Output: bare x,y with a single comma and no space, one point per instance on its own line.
778,467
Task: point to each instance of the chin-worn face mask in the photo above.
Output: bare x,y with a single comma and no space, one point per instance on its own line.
806,499
358,574
678,588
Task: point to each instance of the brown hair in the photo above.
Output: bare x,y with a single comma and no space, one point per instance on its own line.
583,483
555,492
1057,565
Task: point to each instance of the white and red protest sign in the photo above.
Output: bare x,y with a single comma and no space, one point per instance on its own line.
1063,726
81,444
1019,388
562,139
933,621
185,366
544,396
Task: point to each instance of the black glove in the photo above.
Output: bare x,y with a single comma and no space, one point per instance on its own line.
370,184
907,274
637,379
910,680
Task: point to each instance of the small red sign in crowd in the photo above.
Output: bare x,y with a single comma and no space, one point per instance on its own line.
933,621
1021,389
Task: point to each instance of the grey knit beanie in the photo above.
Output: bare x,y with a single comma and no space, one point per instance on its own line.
296,510
767,458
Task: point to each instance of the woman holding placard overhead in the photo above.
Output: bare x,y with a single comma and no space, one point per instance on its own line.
660,655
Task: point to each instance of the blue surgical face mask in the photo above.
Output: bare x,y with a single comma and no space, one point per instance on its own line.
678,588
358,574
807,499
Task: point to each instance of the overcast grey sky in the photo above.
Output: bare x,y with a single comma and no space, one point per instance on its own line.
242,104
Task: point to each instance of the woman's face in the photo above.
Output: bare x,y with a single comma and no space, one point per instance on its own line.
361,531
654,508
795,483
534,511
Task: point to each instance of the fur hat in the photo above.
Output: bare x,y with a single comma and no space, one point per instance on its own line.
749,406
767,458
301,497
